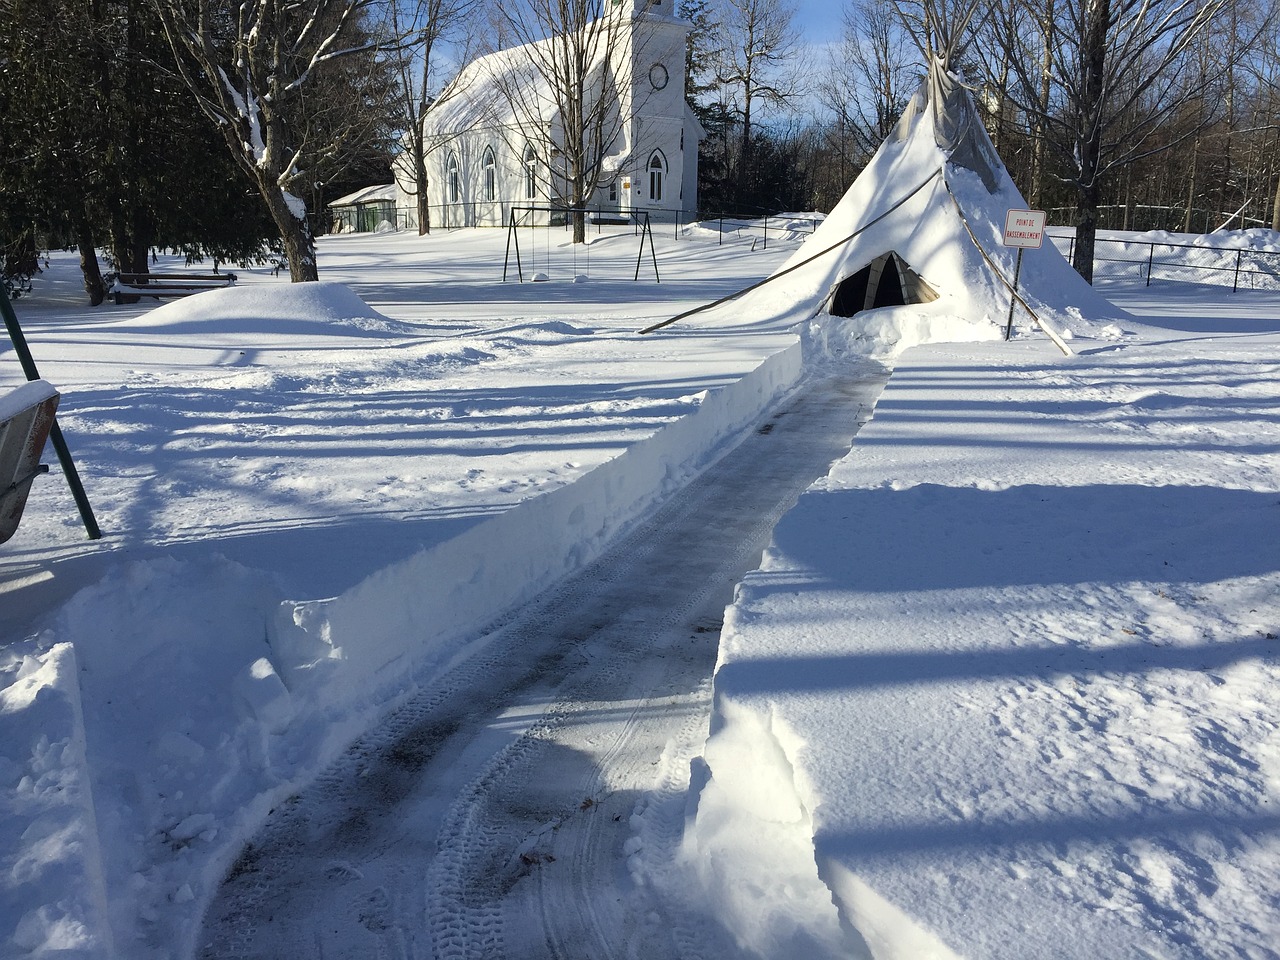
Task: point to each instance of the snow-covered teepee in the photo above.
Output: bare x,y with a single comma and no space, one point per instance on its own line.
922,230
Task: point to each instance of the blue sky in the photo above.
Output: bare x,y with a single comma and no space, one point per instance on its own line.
818,20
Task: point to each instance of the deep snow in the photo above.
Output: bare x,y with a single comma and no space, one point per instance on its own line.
1035,725
260,459
1008,674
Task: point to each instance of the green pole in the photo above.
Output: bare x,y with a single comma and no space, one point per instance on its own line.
55,432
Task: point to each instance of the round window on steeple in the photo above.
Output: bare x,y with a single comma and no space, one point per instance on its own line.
658,76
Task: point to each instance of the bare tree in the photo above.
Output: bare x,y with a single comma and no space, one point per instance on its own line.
424,25
561,88
1117,70
1264,75
248,66
757,64
870,75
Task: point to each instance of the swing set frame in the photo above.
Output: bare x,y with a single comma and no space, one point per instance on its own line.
559,217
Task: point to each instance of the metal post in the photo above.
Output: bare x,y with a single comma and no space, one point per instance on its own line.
1235,286
1013,295
512,236
653,254
647,230
55,433
1151,257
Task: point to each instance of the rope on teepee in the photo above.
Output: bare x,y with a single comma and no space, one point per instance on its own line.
796,266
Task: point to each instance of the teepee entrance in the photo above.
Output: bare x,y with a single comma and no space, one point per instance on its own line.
887,281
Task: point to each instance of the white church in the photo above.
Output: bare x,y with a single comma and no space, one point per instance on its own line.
492,134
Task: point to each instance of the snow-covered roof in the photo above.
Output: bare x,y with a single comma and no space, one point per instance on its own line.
382,191
507,88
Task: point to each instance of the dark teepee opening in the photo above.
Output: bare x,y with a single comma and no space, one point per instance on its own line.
884,282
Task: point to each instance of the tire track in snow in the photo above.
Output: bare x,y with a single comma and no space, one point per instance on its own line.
488,817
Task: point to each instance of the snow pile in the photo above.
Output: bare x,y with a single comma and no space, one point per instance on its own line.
1253,238
53,884
885,333
1007,680
321,307
163,710
144,686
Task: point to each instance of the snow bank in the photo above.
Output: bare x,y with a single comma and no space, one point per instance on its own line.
413,614
208,697
174,777
889,331
1005,684
51,872
326,301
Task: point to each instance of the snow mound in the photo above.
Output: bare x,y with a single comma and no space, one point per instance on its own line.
268,305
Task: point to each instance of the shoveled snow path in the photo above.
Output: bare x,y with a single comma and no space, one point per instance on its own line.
489,816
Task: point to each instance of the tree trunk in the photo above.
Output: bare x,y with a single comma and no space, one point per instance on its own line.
295,234
130,243
1191,185
1086,231
1039,130
1130,203
578,201
1093,54
89,268
420,183
1275,207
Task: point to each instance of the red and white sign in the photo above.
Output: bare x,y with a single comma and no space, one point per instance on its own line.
1024,228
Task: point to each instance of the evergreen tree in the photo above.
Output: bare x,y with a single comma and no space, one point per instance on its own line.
705,95
101,148
51,123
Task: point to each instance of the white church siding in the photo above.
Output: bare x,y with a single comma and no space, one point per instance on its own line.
656,145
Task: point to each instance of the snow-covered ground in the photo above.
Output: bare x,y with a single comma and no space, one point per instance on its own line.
1009,671
1008,676
251,454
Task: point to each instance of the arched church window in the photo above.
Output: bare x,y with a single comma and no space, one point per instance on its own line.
454,182
490,166
657,171
530,173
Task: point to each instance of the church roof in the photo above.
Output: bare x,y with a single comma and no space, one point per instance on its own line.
505,88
